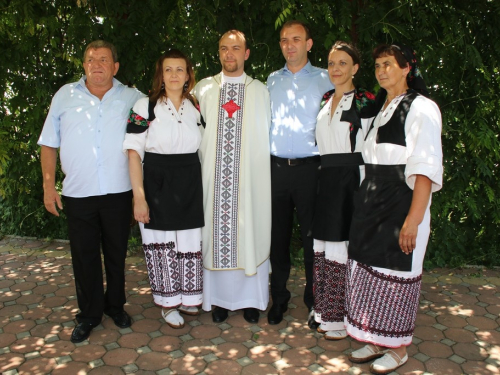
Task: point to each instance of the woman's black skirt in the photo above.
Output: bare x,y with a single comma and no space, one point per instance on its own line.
174,192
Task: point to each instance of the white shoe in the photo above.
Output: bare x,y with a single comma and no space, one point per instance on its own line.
336,335
366,353
322,329
189,310
388,363
173,318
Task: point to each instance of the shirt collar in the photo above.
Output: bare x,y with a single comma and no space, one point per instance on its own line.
306,69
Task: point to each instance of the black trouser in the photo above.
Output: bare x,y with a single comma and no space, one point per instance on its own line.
92,222
292,187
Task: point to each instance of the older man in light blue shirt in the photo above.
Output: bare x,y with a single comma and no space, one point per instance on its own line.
87,121
296,92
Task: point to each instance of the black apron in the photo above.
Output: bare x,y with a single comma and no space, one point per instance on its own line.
338,181
174,192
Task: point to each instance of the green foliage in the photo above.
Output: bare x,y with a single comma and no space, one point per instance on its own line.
457,42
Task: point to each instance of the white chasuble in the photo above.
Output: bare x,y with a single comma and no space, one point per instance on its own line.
236,173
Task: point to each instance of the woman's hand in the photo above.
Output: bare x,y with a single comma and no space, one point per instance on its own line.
419,203
141,211
408,236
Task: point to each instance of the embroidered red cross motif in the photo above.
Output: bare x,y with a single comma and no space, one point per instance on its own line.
231,107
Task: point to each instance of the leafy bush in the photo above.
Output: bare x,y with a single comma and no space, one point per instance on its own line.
457,41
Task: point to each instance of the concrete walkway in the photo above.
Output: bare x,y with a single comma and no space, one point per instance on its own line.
457,327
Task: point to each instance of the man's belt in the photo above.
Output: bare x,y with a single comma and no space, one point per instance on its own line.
294,162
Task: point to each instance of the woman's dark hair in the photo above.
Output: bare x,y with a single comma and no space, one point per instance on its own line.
158,89
348,48
390,50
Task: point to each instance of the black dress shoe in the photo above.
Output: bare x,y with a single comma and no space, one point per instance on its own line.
81,332
311,322
275,314
219,314
251,315
121,319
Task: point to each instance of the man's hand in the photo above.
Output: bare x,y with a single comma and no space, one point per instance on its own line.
51,199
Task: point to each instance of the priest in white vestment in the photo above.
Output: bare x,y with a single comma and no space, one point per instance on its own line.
236,177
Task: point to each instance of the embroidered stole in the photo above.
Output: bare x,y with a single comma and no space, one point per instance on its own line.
227,176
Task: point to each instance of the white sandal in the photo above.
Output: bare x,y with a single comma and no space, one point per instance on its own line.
189,310
336,335
322,329
388,363
172,318
366,353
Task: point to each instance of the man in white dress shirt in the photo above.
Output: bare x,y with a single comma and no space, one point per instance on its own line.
236,185
86,122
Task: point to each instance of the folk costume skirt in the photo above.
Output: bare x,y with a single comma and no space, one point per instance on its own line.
339,180
172,239
383,283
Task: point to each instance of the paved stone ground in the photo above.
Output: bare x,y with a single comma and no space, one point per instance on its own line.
457,327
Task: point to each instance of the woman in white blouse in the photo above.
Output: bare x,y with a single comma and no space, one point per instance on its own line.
162,141
391,222
339,134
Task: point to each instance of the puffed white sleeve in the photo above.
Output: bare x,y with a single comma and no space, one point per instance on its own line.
137,128
423,143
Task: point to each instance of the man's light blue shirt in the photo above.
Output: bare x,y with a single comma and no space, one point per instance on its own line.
90,133
295,101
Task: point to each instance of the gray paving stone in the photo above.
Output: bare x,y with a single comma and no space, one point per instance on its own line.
155,334
255,329
64,359
316,369
448,342
440,326
111,346
51,337
210,357
130,368
20,335
470,328
317,350
283,347
187,337
96,363
224,326
143,350
217,340
124,331
457,359
32,355
250,344
421,357
244,361
176,354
